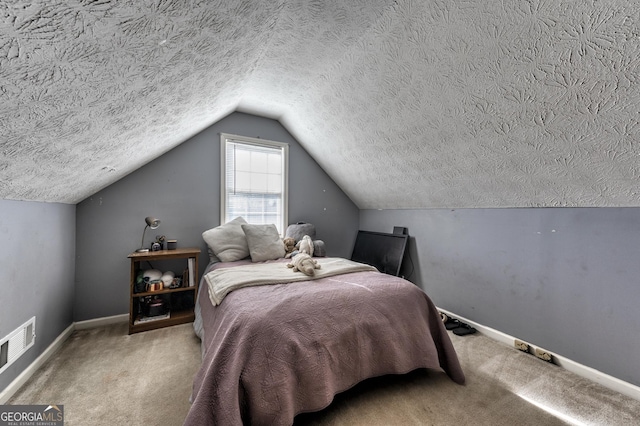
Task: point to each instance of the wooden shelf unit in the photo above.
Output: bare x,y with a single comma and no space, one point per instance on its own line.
176,316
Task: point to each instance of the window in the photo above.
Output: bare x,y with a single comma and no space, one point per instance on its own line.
254,180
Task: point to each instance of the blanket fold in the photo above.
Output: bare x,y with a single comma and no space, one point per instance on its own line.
223,281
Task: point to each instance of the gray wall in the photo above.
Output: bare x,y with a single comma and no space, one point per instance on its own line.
182,188
563,279
36,273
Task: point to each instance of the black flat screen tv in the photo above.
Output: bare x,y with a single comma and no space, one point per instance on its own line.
384,251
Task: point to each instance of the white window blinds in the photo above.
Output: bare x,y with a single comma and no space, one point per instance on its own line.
254,180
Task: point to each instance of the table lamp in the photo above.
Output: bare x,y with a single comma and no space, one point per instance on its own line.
152,223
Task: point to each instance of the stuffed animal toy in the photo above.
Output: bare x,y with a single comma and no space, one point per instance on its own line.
305,245
299,230
289,246
304,263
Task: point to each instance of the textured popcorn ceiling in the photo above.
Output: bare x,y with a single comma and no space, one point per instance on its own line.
406,104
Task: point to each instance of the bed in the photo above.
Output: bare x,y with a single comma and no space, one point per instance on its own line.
276,347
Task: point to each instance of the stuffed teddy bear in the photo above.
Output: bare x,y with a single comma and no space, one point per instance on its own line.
289,246
305,245
304,263
300,229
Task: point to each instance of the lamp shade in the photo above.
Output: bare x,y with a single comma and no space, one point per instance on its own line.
152,223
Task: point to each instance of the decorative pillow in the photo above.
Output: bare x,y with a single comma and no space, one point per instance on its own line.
212,256
319,249
227,241
299,230
264,242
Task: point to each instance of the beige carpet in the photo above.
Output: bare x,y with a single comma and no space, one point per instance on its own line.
103,376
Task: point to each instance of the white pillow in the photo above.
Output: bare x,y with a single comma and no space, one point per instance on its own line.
227,241
264,242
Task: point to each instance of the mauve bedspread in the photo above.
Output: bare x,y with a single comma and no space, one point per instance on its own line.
274,351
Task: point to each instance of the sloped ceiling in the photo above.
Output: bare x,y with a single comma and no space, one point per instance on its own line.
406,104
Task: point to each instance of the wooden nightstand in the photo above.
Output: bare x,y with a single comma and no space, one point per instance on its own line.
179,301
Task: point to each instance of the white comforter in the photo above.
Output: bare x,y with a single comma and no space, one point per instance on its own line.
223,281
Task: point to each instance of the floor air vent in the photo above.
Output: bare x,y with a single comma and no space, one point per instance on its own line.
15,344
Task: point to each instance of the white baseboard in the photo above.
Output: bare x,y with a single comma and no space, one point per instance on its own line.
98,322
17,383
596,376
13,387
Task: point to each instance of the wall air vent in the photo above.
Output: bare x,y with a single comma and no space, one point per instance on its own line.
16,343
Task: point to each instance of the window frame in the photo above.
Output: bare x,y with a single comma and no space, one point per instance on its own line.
283,146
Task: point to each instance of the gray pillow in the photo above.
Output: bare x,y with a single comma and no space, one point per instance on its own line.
299,230
228,241
264,242
319,249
